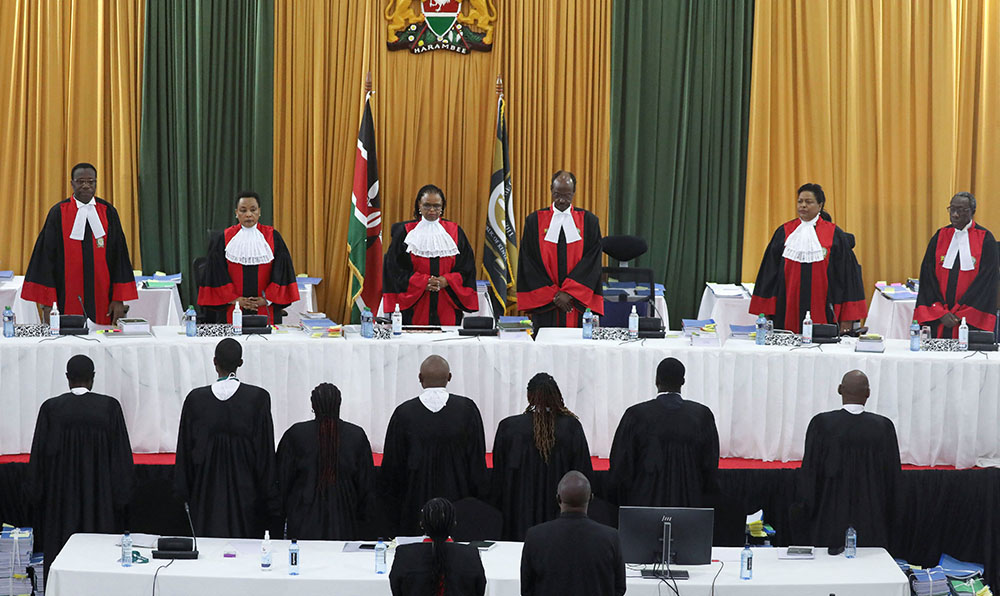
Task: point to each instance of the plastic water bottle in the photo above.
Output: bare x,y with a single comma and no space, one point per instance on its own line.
237,319
367,323
190,322
588,324
8,322
761,338
915,336
397,322
126,549
851,543
807,329
746,562
963,335
293,558
633,324
380,549
54,320
265,552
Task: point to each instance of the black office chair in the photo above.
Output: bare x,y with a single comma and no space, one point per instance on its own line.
618,303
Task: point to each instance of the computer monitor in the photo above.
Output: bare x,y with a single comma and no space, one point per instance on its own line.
687,530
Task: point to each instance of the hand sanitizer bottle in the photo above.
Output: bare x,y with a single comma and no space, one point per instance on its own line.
807,329
54,319
397,322
633,324
265,552
963,335
237,319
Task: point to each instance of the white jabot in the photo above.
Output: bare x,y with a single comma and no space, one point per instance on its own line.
429,239
434,398
802,245
86,213
249,247
79,391
960,247
223,389
855,408
562,220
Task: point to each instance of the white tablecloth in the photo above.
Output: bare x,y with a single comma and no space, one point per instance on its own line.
725,311
890,318
305,303
88,565
159,306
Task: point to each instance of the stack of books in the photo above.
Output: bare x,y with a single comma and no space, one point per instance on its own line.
692,325
321,328
134,326
870,342
15,556
895,291
514,328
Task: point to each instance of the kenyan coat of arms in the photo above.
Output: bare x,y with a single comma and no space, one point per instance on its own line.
427,25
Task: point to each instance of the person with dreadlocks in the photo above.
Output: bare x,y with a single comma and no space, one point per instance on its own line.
531,453
437,566
325,473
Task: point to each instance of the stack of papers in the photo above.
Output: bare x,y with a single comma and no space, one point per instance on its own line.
742,331
134,326
514,328
158,280
870,342
321,328
692,325
929,582
6,275
895,291
15,556
727,290
303,280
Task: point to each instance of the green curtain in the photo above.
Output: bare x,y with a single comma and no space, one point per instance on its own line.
207,124
680,72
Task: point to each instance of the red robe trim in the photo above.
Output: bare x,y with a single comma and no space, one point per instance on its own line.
550,258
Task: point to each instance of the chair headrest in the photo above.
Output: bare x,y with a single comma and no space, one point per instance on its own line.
623,247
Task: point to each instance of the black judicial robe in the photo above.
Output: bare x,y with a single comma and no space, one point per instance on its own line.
92,271
412,571
405,275
832,289
665,454
432,454
544,268
226,281
225,462
80,473
848,477
524,485
331,512
969,294
572,555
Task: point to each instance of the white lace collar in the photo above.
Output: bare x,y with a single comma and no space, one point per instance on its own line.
960,248
802,245
562,220
429,239
249,247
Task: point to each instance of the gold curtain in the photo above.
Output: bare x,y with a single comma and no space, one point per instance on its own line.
72,91
891,105
434,120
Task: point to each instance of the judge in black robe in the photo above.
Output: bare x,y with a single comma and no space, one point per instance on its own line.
572,554
80,473
666,450
434,446
225,453
326,473
811,270
250,264
531,453
430,268
959,274
559,271
80,260
850,471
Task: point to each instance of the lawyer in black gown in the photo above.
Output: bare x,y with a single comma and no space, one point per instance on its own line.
434,446
225,453
666,450
80,473
326,473
437,566
850,470
573,554
531,453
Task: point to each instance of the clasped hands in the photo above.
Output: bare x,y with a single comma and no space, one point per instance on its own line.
950,320
436,284
563,301
252,303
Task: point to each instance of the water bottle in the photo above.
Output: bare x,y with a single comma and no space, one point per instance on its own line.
8,322
397,321
293,558
915,336
380,548
126,549
633,324
588,324
190,322
367,323
746,562
963,335
237,319
761,338
807,329
265,552
54,320
851,543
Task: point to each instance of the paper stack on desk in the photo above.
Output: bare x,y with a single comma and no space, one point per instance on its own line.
727,290
15,556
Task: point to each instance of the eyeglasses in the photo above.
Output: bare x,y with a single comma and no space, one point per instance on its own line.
428,207
90,181
959,210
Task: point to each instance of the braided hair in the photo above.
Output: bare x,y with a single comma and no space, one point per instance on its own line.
326,402
437,518
545,403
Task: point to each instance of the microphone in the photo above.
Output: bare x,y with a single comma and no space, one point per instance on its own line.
178,547
194,535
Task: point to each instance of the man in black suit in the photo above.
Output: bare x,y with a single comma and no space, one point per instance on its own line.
573,554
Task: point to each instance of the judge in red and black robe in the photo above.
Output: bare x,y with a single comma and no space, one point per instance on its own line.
559,264
80,259
809,265
958,276
430,268
249,263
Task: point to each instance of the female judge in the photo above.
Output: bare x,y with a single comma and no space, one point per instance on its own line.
809,265
249,264
430,268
